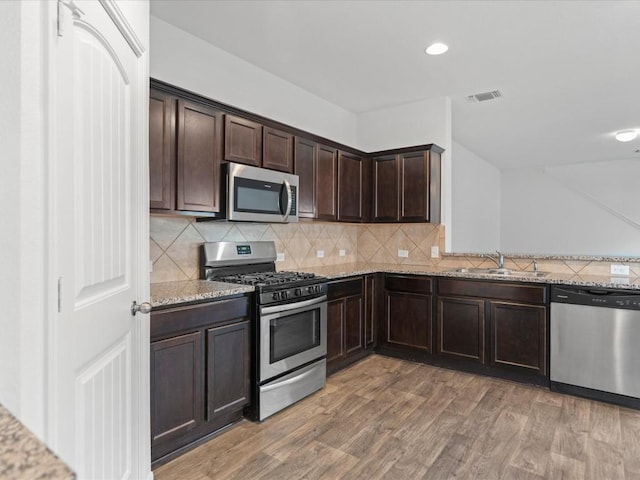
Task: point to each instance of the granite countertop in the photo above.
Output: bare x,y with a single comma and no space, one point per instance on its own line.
603,281
24,456
174,293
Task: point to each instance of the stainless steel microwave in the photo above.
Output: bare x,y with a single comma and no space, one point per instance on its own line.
261,195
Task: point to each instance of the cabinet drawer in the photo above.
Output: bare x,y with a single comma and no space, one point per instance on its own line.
500,291
170,321
345,288
408,283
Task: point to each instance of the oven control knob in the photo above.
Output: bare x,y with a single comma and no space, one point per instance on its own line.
276,296
283,295
298,292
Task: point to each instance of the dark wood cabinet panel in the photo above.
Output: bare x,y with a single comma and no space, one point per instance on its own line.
408,320
517,292
435,185
353,324
199,157
350,185
414,187
242,141
176,387
335,330
326,198
370,311
385,189
461,328
200,374
162,159
227,368
305,160
519,336
277,150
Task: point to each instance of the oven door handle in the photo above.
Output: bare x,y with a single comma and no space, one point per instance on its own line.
292,306
288,381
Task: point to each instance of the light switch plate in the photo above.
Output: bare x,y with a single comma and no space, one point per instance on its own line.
620,270
280,257
320,253
435,251
403,253
342,253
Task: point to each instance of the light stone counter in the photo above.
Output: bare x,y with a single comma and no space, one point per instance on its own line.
24,456
189,291
352,269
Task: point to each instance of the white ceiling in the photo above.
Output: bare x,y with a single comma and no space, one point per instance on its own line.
569,71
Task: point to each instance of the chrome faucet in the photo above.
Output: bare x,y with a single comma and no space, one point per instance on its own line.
535,265
499,258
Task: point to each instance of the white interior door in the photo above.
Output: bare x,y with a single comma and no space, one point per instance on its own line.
99,130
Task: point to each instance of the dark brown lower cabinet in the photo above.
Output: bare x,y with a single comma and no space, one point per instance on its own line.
407,313
199,373
461,329
497,324
349,322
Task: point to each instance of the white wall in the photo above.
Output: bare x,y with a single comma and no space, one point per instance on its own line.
580,210
181,59
22,204
475,197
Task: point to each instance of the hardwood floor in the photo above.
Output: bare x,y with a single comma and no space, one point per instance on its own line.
385,418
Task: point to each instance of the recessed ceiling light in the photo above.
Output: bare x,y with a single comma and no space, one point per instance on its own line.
436,48
626,135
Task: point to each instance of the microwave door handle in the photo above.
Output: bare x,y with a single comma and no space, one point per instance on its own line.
287,186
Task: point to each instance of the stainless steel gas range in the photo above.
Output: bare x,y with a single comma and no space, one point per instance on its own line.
290,325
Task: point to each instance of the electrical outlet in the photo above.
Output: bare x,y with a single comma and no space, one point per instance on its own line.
342,253
620,270
435,251
403,253
280,257
320,253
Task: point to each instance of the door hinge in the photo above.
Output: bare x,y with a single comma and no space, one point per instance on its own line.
63,15
59,294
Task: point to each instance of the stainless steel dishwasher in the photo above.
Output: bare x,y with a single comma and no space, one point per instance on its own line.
595,343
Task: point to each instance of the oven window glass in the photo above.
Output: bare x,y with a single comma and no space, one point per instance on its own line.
294,334
257,196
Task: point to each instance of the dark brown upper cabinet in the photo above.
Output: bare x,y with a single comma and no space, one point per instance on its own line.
317,167
242,141
350,187
199,157
406,187
185,153
277,150
162,158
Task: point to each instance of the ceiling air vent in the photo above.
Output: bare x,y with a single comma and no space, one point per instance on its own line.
483,97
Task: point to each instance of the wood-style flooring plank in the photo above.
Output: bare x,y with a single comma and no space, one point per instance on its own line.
385,418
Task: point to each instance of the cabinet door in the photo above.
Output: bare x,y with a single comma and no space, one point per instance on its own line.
227,369
350,184
408,320
199,151
326,183
162,158
385,189
414,187
176,387
335,330
370,311
353,324
304,158
461,326
242,141
518,336
277,150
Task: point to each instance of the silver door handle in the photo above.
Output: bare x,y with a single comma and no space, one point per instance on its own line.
288,187
292,306
288,381
144,307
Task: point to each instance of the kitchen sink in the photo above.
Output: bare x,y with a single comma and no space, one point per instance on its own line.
500,272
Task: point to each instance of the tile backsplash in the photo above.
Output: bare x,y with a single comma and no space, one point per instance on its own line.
175,242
